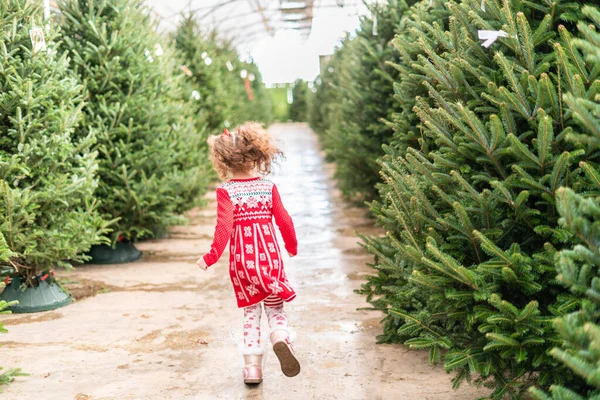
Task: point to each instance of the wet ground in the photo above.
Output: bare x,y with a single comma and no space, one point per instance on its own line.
161,328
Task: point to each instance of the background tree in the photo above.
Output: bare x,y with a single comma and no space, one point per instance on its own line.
298,110
47,174
151,158
214,70
363,87
466,268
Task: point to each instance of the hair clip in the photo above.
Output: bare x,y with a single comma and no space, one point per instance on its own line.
225,132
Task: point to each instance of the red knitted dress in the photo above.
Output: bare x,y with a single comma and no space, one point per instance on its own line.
245,210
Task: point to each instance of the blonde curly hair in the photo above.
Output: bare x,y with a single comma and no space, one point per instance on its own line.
248,148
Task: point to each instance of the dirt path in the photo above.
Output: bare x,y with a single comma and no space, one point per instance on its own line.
162,329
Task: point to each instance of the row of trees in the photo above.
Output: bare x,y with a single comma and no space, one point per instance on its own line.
483,163
104,127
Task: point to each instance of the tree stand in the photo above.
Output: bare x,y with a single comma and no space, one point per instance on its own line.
122,253
46,296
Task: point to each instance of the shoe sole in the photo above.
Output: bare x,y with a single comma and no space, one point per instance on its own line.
289,364
252,381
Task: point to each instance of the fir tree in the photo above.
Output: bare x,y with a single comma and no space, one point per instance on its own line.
364,96
298,110
6,376
214,70
47,174
151,159
199,57
325,100
579,267
466,268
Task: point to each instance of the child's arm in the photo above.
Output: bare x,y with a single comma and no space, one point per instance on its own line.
222,230
285,224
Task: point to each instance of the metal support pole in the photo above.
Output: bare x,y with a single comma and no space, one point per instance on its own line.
46,10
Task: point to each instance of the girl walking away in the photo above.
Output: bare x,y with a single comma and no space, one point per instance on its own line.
246,206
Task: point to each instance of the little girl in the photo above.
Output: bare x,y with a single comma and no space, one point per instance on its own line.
246,205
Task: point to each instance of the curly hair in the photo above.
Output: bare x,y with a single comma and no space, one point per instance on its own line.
247,148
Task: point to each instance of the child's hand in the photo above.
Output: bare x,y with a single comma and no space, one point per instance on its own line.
202,264
291,255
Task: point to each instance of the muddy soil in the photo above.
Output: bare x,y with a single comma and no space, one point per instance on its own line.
160,328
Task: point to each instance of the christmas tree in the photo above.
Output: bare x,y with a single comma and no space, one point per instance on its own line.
198,56
325,100
466,269
578,267
228,91
9,375
364,93
151,158
47,174
298,111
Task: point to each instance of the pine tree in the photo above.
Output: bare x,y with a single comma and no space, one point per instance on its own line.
579,267
325,100
298,111
47,174
214,70
151,158
198,56
466,268
9,375
364,96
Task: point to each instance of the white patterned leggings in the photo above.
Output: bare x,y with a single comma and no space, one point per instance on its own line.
252,314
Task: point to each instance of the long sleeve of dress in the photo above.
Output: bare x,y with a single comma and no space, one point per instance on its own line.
285,223
223,229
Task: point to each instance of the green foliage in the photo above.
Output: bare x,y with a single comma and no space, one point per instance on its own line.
466,269
298,111
578,267
358,85
280,104
216,69
7,376
151,158
46,172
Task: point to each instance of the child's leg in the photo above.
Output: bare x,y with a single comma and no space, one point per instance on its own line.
252,316
280,339
276,316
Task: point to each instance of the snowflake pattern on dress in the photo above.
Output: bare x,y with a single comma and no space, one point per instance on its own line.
255,280
249,249
237,258
241,274
250,264
252,290
266,230
276,264
241,295
248,231
236,282
252,202
271,247
262,257
275,288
